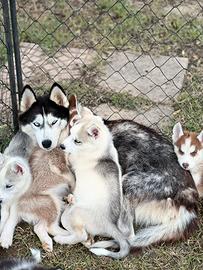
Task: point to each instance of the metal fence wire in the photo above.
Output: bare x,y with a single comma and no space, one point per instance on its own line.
131,59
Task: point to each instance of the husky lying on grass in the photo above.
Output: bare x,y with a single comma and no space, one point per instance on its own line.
188,147
97,196
25,264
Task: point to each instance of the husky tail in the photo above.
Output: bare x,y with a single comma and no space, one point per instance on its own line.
99,247
178,228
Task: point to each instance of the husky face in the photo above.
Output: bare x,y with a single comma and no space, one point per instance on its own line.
15,178
86,135
44,118
188,147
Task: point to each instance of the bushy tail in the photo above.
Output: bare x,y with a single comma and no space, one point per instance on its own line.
36,255
176,229
100,250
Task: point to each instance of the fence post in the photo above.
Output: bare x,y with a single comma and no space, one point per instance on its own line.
16,47
7,28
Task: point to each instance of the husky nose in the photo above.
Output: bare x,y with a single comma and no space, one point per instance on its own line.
46,143
0,201
62,146
185,165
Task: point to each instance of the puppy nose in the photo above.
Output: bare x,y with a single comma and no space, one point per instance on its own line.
46,143
0,201
62,146
185,165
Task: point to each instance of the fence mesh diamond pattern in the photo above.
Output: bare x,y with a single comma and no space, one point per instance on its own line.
134,59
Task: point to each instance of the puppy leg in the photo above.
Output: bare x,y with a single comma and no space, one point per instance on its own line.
54,229
77,236
6,238
4,217
41,231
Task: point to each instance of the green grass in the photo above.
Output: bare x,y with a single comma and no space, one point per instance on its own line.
186,255
104,25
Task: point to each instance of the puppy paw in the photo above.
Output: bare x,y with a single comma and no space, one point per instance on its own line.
6,241
61,239
48,247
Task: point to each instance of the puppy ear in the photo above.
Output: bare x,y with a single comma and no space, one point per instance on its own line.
85,112
27,98
73,110
57,95
93,131
200,137
17,168
177,132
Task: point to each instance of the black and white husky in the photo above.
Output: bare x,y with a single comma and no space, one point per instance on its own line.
44,118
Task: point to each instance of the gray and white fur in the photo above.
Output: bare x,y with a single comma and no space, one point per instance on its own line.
98,196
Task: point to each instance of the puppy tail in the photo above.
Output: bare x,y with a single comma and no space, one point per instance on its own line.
36,255
100,250
178,228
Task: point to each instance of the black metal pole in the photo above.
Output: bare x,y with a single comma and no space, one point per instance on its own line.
7,29
16,47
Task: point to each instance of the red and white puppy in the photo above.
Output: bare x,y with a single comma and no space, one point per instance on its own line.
188,147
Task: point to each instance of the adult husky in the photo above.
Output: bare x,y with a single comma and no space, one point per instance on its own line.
158,193
44,118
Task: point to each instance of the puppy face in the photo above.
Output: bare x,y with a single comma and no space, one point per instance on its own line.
86,134
188,147
14,178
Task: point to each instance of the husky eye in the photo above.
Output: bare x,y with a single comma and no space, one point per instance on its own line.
36,124
54,122
181,152
9,186
193,153
77,141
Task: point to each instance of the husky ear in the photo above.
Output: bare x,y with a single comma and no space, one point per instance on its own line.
57,95
93,131
85,112
27,98
177,132
74,110
200,137
17,168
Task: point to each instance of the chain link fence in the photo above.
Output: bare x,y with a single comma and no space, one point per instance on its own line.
132,59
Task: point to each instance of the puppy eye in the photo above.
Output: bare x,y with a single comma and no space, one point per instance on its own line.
77,141
193,153
36,124
9,186
54,122
181,152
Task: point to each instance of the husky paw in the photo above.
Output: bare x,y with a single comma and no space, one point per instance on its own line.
6,241
47,246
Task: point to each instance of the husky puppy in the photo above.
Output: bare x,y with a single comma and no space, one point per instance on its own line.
15,180
44,118
25,264
158,193
188,147
98,196
42,204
